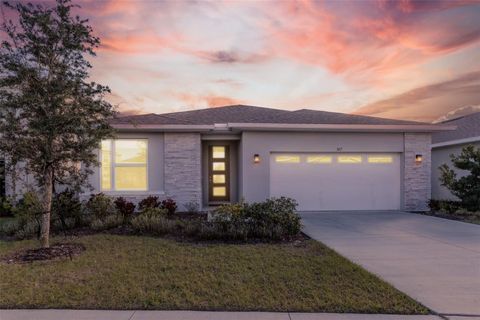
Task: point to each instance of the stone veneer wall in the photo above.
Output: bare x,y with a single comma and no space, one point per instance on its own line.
183,175
417,184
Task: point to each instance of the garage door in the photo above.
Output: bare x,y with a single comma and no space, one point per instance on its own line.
323,181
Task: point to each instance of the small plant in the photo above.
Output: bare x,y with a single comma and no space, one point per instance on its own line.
6,207
67,210
153,212
99,206
156,225
447,206
149,202
108,222
192,207
125,208
170,205
28,213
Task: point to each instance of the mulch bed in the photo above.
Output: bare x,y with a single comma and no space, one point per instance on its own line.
56,251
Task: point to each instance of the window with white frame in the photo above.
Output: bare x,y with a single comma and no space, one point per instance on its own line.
124,165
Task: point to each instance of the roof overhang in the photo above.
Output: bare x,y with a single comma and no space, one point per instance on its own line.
340,127
164,127
456,142
227,127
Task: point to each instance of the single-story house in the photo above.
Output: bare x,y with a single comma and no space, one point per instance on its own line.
324,160
445,143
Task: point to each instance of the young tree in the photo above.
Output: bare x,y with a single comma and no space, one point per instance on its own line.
466,188
51,117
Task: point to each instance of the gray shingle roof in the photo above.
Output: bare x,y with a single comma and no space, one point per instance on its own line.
467,127
253,114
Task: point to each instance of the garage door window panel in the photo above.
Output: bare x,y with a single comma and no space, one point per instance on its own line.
319,159
380,159
287,159
350,159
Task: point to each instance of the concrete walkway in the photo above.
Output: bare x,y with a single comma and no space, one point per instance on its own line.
435,261
190,315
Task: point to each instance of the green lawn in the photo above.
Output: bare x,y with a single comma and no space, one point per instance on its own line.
128,272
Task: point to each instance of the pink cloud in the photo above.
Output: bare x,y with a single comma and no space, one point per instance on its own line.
366,38
137,43
206,100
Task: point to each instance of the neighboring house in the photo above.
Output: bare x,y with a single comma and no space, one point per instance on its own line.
324,160
451,142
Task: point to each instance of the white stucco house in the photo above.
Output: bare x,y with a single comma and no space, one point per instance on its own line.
445,143
324,160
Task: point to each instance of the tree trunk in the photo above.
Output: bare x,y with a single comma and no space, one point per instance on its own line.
46,208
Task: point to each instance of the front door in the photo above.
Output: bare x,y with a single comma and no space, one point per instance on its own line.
218,173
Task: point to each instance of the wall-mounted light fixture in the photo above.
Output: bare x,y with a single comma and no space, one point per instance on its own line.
256,158
418,158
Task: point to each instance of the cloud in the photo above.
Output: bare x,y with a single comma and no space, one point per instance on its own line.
206,100
430,101
230,57
364,40
459,112
137,43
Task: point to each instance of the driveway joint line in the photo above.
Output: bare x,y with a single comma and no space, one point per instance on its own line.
131,317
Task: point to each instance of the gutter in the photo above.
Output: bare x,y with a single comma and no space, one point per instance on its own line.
228,127
341,127
164,127
455,142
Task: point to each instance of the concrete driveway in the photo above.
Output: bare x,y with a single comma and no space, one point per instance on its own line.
435,261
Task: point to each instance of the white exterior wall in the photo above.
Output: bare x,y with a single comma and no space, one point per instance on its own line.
255,178
155,171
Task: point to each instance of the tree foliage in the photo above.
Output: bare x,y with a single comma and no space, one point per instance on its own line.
52,117
466,187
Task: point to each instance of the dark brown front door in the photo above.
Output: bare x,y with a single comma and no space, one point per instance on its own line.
218,173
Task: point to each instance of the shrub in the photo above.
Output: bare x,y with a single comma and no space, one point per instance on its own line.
6,207
448,206
9,228
466,187
153,212
192,206
170,205
149,202
156,225
106,223
125,208
67,211
271,219
28,214
99,206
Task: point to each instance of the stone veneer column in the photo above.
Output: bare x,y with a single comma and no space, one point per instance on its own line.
417,176
183,174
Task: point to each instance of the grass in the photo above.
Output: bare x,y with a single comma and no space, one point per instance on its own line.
128,272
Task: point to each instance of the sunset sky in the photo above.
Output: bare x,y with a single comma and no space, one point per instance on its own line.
401,59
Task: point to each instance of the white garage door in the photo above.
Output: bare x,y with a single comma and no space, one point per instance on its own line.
323,181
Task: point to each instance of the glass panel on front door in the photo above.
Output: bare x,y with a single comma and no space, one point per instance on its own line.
218,173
